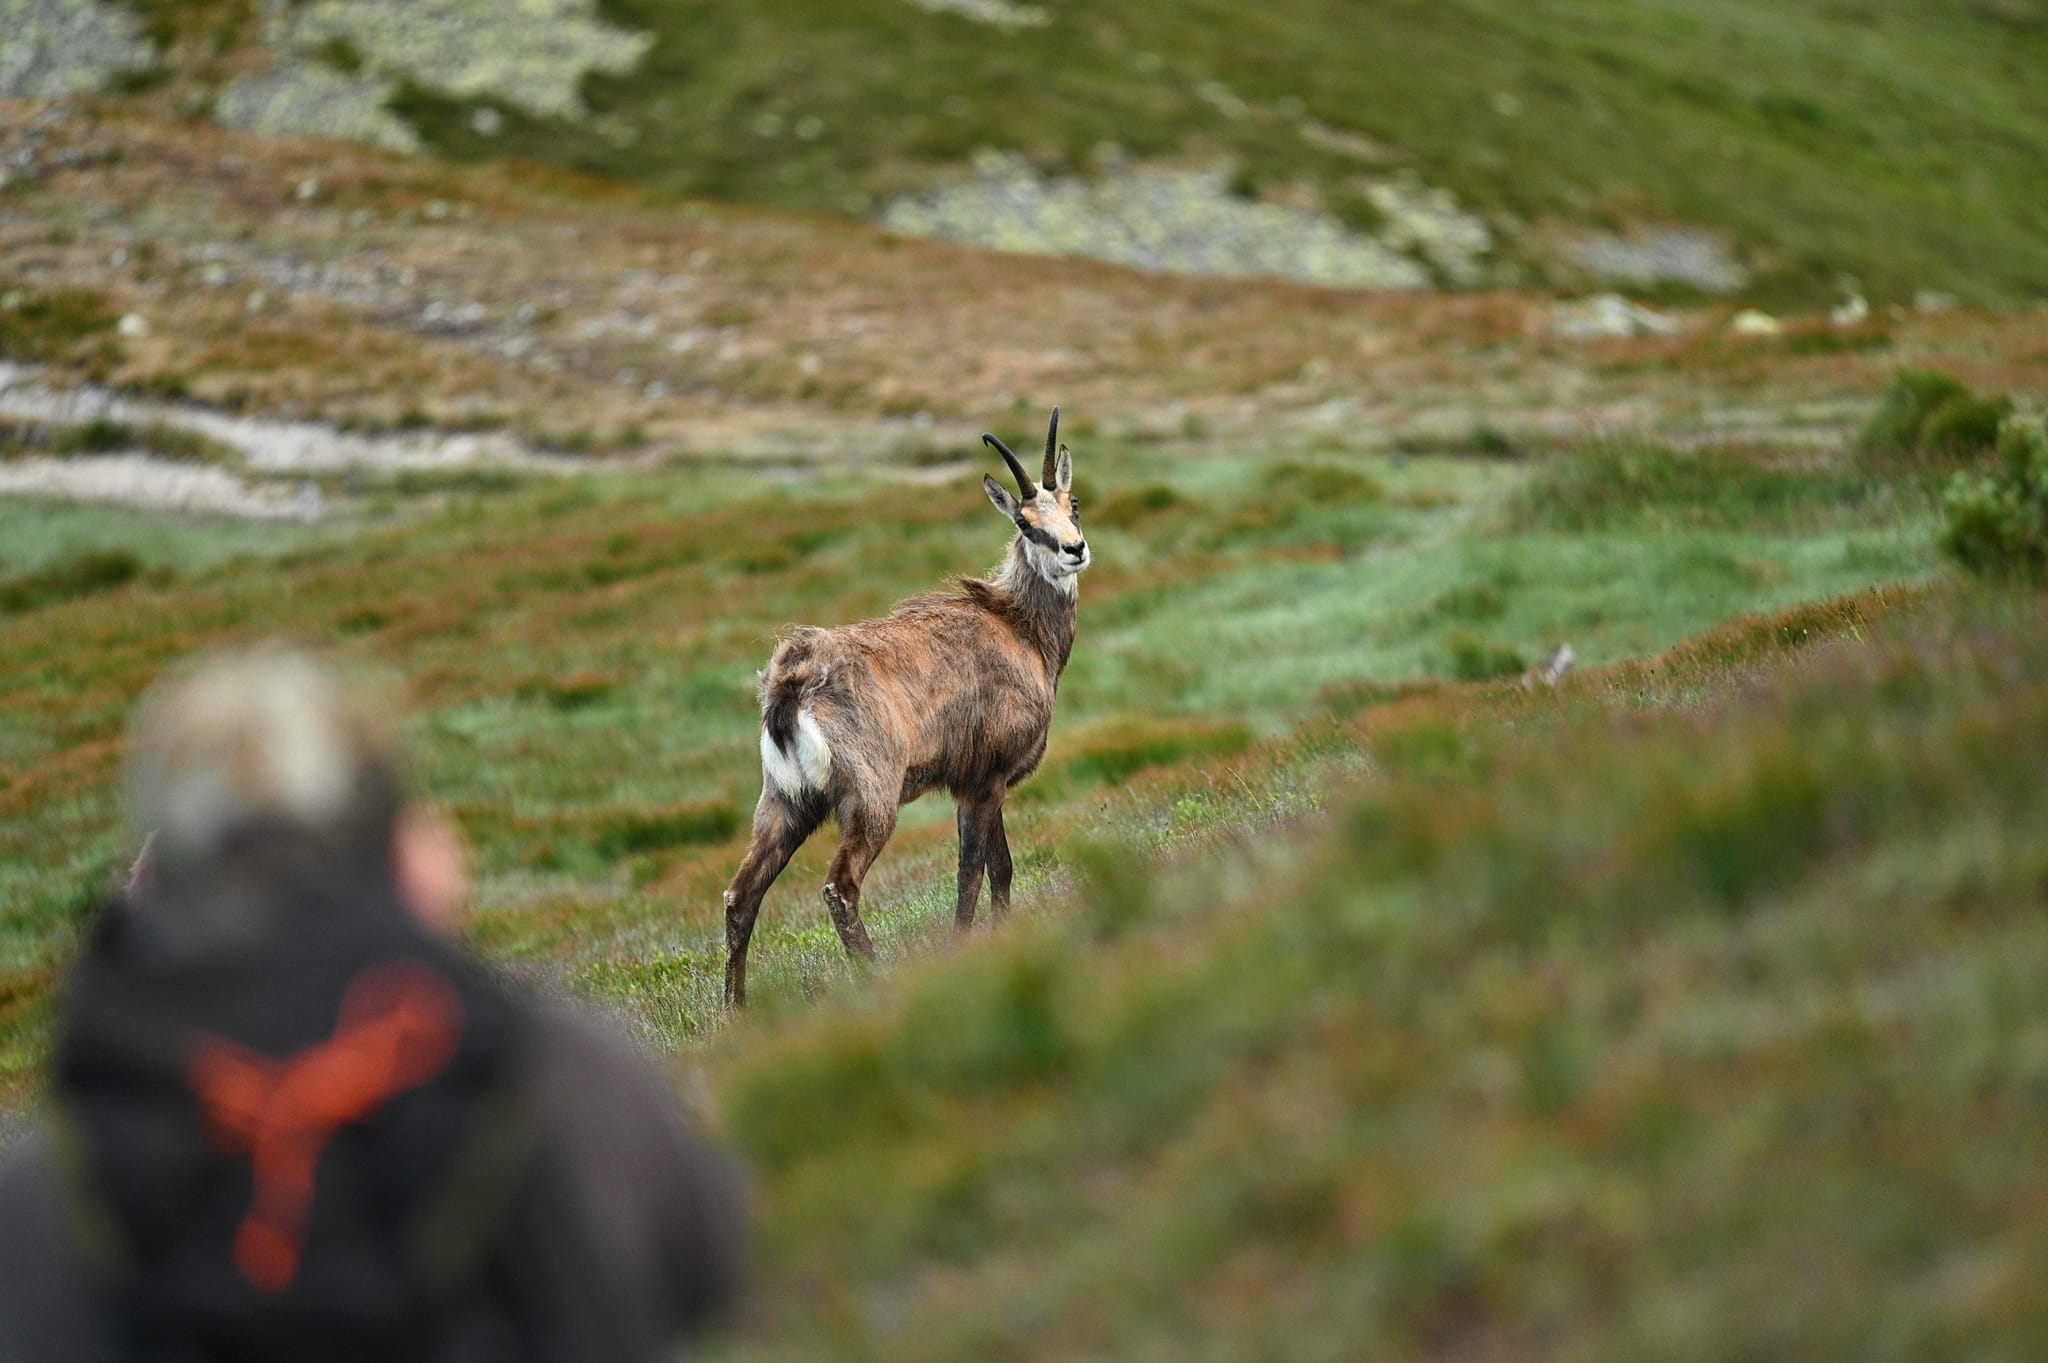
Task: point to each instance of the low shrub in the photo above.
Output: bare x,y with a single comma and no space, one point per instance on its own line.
1966,425
1997,522
62,326
656,830
1630,484
1925,412
1470,601
1130,505
80,575
1473,658
102,435
1321,483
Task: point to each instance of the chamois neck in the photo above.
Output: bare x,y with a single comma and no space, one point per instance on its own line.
1045,612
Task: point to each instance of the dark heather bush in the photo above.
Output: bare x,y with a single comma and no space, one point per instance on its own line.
1932,414
1997,523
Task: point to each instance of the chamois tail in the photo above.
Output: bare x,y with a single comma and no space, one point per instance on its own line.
796,758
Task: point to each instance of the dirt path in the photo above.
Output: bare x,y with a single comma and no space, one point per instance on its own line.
278,460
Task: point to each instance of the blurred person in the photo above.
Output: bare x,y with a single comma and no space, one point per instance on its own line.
291,1119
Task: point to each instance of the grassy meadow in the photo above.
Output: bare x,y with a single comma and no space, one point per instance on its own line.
1363,998
579,657
1356,1001
1691,1014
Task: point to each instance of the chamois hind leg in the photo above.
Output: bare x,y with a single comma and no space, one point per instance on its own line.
999,869
980,823
864,831
779,829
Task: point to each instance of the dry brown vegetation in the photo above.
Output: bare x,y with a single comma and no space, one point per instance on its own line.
592,317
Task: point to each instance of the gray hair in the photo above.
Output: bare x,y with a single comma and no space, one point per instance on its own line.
260,738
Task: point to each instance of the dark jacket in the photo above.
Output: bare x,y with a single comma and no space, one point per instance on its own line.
342,1139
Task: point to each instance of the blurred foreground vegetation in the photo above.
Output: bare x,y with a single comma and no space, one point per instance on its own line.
1695,1014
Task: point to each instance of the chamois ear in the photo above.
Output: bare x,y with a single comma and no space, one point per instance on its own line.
1000,495
1063,471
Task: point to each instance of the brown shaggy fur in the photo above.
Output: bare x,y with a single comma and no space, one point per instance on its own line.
953,691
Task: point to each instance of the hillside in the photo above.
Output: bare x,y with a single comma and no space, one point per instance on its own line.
1792,151
1695,1016
588,714
1365,996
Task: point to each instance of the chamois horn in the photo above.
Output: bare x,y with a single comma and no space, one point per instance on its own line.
1052,450
1024,483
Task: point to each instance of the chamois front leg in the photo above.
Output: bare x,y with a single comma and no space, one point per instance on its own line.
999,869
864,832
980,823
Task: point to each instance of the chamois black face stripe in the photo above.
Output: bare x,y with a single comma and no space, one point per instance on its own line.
1037,536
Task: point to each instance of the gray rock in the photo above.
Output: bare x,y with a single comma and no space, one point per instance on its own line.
55,48
1171,220
1677,255
1608,315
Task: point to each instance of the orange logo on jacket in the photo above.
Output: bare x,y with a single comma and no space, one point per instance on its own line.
398,1028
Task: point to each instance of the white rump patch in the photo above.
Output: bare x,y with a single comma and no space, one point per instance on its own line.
808,768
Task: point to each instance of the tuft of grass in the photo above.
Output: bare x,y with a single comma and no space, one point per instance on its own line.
1131,506
1929,413
1965,426
1293,481
1471,601
161,439
1591,1044
1997,522
1472,657
81,574
657,830
1114,753
101,435
1642,485
576,691
60,326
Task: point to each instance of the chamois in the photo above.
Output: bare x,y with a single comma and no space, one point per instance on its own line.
952,690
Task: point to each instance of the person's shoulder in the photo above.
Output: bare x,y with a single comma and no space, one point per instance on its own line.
576,1052
655,1191
30,1200
46,1296
605,1103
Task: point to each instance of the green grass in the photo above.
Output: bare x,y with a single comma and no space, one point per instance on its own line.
34,533
101,435
1595,1030
581,657
60,326
1686,1012
1934,417
1997,521
80,575
1890,140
